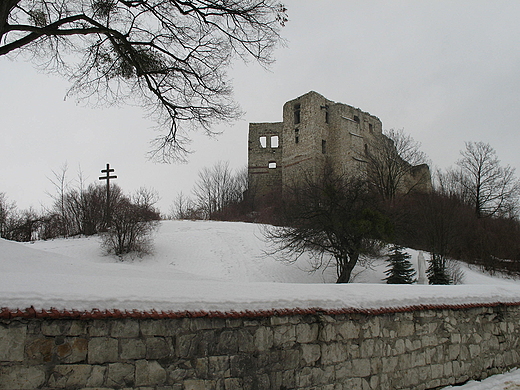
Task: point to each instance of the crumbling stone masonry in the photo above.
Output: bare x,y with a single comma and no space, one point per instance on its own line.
420,348
314,130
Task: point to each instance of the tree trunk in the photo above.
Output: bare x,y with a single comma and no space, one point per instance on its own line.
346,266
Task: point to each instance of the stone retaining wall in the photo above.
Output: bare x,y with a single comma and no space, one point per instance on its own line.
418,349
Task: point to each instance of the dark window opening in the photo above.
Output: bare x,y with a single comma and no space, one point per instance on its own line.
296,136
323,146
326,113
356,118
366,149
370,127
297,113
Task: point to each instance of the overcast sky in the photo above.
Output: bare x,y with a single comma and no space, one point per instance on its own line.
445,71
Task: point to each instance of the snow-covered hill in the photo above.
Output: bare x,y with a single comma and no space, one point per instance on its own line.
206,265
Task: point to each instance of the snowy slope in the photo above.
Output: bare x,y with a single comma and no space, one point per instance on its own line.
208,266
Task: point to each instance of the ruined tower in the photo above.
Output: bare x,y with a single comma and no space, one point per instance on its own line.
314,129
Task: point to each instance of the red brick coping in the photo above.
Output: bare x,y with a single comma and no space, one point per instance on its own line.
53,313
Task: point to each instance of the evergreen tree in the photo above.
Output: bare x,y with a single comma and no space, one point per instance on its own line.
437,271
400,270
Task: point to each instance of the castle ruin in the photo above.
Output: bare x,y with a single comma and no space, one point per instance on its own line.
315,130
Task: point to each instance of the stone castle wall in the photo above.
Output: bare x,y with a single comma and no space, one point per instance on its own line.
343,350
315,130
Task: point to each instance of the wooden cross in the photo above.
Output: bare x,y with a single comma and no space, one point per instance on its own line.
108,170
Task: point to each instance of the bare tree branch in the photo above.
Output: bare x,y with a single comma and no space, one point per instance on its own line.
168,55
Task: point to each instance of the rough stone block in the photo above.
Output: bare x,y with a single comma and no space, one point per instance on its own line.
39,350
243,365
284,336
132,349
372,328
279,320
72,350
19,377
198,384
328,333
310,353
157,348
102,350
121,375
333,353
348,330
125,328
12,342
218,367
390,364
149,373
99,328
361,367
201,367
231,341
97,376
232,384
263,338
306,333
70,376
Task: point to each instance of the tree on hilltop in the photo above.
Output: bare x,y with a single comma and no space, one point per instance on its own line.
333,218
170,55
490,188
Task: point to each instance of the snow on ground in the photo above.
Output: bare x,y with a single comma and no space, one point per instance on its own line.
206,265
507,381
222,266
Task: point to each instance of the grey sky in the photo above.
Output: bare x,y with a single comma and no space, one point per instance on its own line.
445,71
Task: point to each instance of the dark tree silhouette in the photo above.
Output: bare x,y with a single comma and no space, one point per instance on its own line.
400,269
492,189
333,218
170,55
395,162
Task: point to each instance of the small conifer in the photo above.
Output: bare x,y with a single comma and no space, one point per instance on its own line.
400,270
437,271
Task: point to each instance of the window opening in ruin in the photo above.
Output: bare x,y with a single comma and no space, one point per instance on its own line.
370,127
263,142
326,113
297,113
296,136
366,149
323,146
356,118
272,164
274,141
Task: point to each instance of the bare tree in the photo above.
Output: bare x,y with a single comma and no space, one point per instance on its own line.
170,55
332,218
183,208
62,186
131,227
395,163
490,188
7,213
218,187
